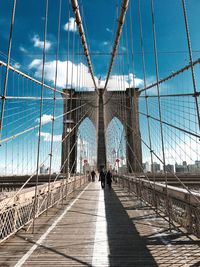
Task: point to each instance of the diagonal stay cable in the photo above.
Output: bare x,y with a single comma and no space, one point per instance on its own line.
37,126
154,153
7,67
34,173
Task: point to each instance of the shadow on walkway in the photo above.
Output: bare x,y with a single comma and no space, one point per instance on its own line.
127,247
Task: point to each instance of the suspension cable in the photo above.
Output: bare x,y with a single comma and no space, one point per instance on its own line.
121,20
41,111
191,61
54,102
77,15
7,67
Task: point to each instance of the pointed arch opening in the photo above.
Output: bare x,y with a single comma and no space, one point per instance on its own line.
116,146
86,146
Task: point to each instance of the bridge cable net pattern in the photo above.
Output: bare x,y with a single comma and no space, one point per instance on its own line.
34,126
157,122
164,123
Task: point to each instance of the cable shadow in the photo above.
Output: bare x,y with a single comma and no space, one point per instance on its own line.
127,247
162,244
57,252
197,264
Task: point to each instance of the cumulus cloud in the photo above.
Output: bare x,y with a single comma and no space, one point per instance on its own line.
47,137
81,74
123,81
35,64
45,119
22,49
76,72
40,44
71,25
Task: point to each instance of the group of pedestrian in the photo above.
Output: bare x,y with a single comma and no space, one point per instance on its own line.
105,177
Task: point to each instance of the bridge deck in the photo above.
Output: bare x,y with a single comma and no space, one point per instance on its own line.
100,228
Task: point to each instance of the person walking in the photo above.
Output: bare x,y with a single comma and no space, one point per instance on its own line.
102,178
93,174
109,179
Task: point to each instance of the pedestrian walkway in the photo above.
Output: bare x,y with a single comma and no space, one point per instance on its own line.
100,228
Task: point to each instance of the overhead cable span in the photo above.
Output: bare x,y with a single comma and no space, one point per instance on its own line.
121,20
79,23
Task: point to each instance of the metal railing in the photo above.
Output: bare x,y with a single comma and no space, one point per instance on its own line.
176,203
22,209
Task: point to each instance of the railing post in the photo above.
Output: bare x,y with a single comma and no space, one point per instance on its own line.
15,217
189,220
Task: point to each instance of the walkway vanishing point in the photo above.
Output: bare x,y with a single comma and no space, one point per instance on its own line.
58,121
101,228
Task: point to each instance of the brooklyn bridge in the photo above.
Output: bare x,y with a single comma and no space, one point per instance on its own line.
99,133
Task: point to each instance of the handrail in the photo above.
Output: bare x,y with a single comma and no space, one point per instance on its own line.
19,212
182,208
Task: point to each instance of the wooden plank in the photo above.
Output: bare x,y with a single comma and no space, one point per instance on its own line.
136,236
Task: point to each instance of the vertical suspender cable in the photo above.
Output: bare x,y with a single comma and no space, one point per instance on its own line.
3,97
159,104
54,101
145,85
73,48
41,110
68,42
132,50
191,61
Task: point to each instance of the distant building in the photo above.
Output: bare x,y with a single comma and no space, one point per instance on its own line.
146,166
169,168
181,168
155,167
197,163
42,169
192,168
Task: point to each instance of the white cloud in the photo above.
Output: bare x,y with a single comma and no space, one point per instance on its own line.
22,49
35,64
108,30
105,43
47,137
71,25
40,44
45,119
122,82
81,74
154,91
16,65
80,69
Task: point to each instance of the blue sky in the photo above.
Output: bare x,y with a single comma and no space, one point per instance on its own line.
100,22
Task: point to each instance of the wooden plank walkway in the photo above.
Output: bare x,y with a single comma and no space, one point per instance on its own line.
101,228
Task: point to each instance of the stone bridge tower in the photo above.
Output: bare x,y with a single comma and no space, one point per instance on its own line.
81,105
